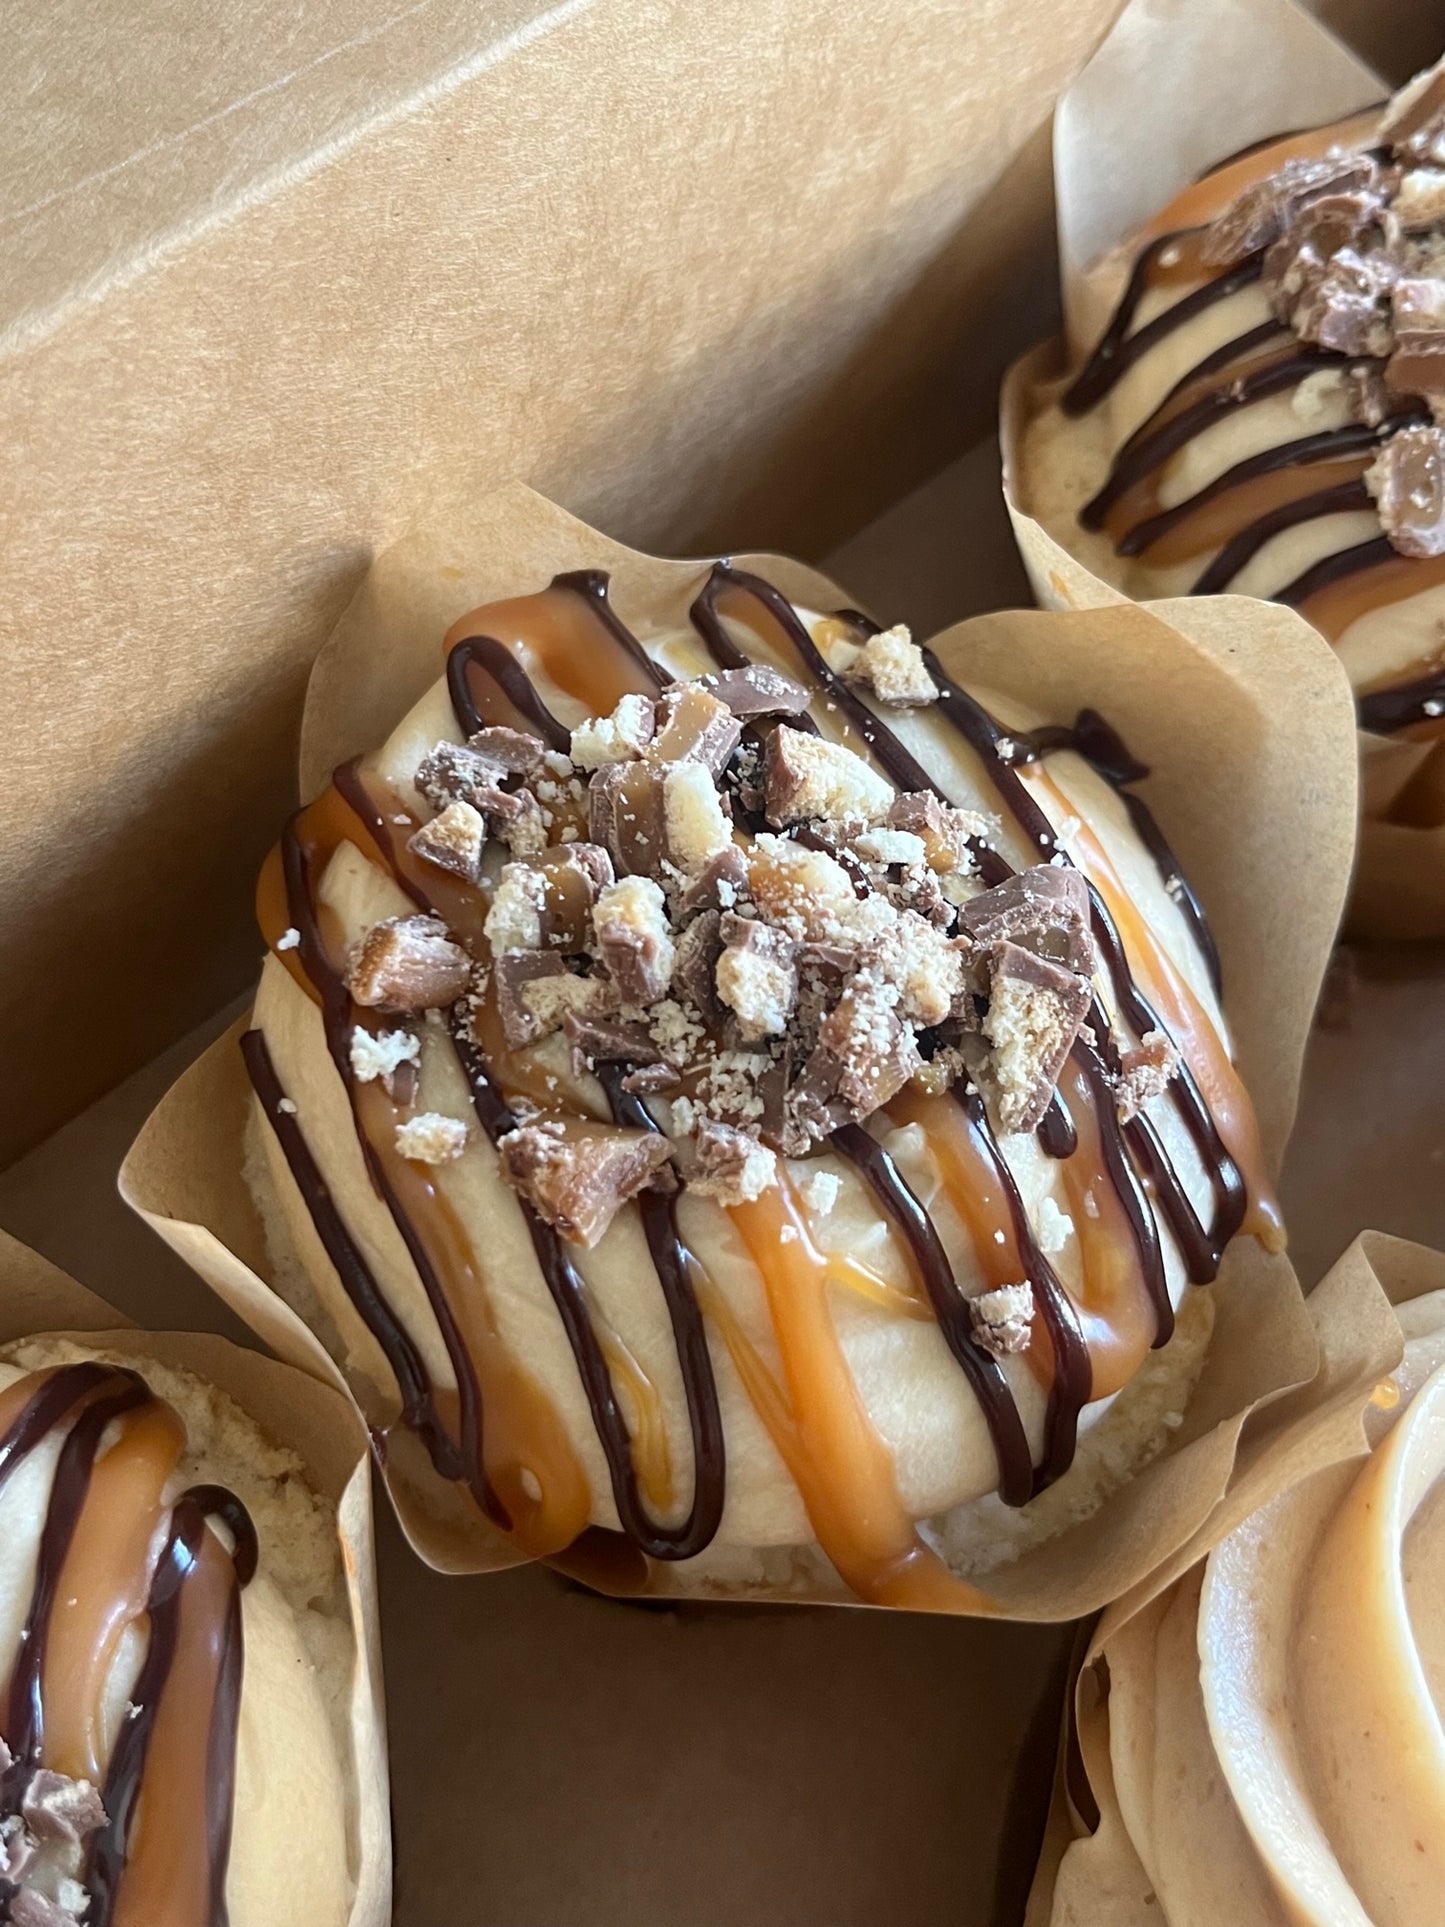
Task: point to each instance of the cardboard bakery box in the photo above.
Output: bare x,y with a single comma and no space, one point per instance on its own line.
277,287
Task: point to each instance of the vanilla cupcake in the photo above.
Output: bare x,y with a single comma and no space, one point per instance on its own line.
740,1106
175,1635
1271,1743
1259,413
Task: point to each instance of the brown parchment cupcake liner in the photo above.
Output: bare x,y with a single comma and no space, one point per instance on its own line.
39,1301
1177,85
1089,1873
1245,718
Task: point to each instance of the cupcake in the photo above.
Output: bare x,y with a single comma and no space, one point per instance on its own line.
1269,1745
175,1638
1258,415
743,1110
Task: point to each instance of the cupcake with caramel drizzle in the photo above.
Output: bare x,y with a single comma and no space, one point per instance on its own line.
732,1097
1261,412
168,1751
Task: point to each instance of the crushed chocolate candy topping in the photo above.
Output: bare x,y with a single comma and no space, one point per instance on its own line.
722,885
694,726
607,1040
514,752
725,1163
757,689
1144,1072
1045,909
874,1049
757,976
699,945
1417,367
1265,209
891,665
524,827
408,964
1003,1319
537,994
651,1080
1413,124
945,832
807,776
619,738
1343,303
1369,398
1407,481
453,841
578,1181
634,939
626,816
1419,202
56,1808
1036,1009
696,826
29,1908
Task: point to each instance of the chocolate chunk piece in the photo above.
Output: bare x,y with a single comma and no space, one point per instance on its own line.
1265,209
757,976
1417,366
699,945
408,964
1413,124
727,1164
599,1039
635,939
649,1079
1343,304
946,833
757,689
693,726
1419,202
697,828
1035,1010
453,841
720,886
1045,909
31,1909
578,1181
1407,481
811,1108
619,738
522,827
807,776
626,816
873,1047
1003,1319
537,994
1144,1073
515,752
59,1809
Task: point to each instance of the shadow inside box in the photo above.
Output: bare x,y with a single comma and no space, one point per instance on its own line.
578,1761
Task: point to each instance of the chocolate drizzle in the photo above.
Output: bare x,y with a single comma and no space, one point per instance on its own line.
1229,378
90,1398
484,678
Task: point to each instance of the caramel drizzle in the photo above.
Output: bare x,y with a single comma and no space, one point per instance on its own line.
488,683
1244,508
168,1784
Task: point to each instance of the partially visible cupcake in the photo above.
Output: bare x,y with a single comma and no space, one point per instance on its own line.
1272,1744
175,1638
1262,413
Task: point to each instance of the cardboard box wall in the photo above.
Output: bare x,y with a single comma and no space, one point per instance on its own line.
273,280
290,279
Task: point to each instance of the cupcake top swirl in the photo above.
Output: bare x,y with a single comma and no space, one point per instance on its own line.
124,1655
1275,375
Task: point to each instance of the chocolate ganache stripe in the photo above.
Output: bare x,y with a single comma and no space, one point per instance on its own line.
950,1308
338,1020
592,586
1118,350
123,1780
1420,701
1340,499
25,1714
1243,347
1150,447
1335,568
418,1407
497,661
569,1294
1057,1136
1330,445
